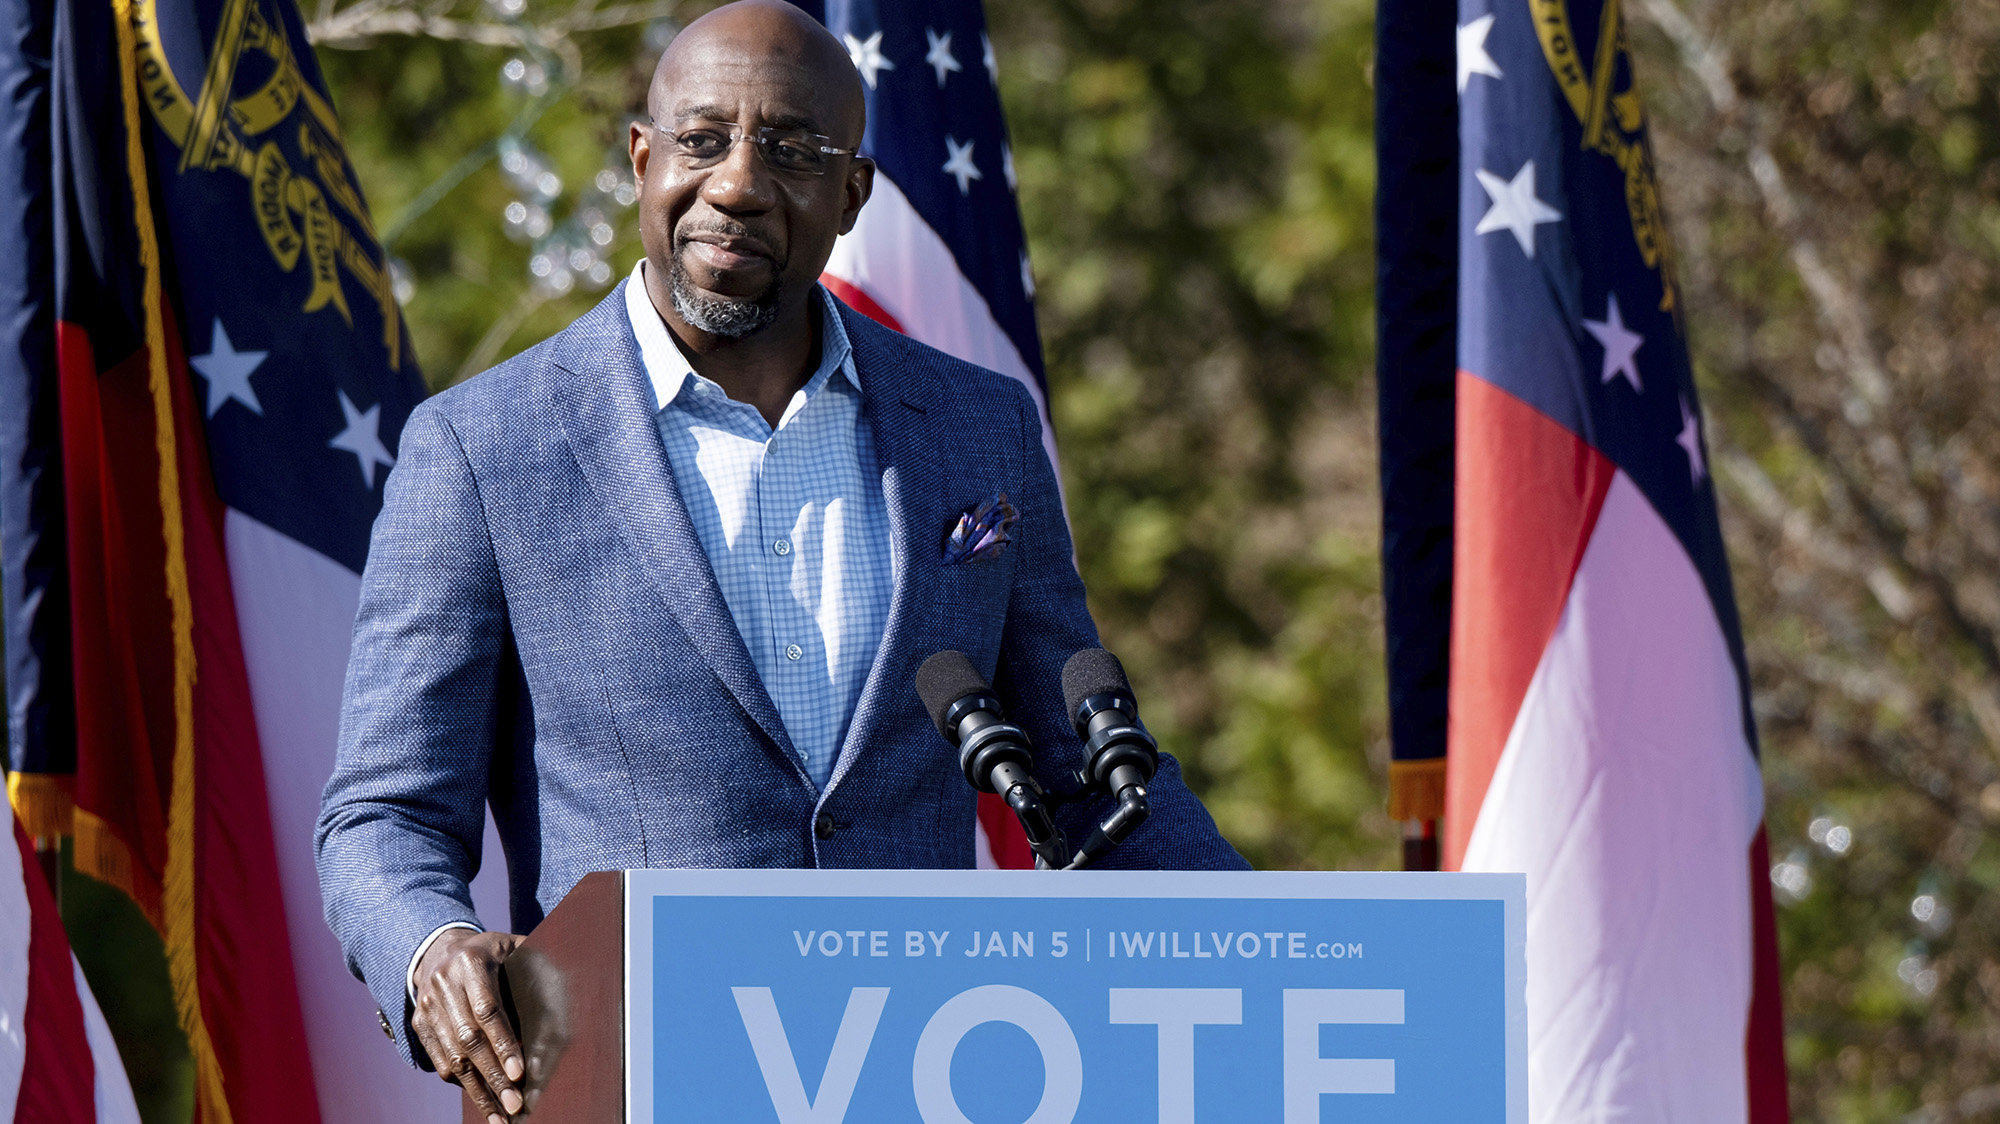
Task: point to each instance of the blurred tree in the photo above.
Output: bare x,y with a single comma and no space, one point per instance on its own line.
490,136
1833,170
1197,182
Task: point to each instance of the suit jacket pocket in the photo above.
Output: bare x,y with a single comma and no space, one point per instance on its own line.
972,599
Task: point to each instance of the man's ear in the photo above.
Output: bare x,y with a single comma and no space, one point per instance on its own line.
860,185
642,149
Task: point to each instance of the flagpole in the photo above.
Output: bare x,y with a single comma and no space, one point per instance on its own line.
1416,223
1420,844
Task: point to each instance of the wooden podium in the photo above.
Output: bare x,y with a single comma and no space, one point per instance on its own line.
565,989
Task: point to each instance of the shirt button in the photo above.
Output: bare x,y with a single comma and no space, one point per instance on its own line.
793,652
782,546
823,826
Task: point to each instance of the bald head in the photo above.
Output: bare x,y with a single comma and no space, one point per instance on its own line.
736,237
770,36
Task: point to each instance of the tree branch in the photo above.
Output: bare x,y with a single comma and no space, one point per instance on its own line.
1841,311
1971,1104
359,24
1839,308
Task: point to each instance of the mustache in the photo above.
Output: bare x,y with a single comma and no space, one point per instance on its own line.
713,226
722,228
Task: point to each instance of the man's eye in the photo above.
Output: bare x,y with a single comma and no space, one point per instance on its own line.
702,143
795,153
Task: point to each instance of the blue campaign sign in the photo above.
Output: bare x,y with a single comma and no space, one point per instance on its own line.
1023,997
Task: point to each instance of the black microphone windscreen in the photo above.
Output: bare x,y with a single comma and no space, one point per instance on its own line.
1092,671
943,680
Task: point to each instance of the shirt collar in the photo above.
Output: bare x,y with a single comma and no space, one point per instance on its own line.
667,367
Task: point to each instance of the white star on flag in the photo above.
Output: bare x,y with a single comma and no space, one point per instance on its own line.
987,60
940,58
1621,345
960,165
1690,441
1515,207
1007,166
1472,56
867,56
1027,276
363,438
228,371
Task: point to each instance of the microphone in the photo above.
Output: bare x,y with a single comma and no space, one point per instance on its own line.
1120,755
993,752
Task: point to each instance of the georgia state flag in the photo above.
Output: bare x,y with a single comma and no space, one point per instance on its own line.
1600,731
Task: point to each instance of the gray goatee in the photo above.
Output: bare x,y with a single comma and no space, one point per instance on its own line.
721,316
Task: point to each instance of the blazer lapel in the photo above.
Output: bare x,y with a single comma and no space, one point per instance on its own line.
899,399
610,423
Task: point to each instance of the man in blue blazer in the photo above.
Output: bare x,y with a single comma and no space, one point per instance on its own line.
656,589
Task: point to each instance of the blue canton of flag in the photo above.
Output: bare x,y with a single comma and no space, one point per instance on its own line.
940,248
1568,299
291,323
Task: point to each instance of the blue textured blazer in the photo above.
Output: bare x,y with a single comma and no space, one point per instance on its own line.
540,629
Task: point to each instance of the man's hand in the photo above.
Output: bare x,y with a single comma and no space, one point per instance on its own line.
461,1023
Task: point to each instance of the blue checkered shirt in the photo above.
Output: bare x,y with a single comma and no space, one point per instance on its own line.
793,522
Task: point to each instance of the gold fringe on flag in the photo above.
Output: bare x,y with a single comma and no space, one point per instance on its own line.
178,906
101,853
1416,789
43,803
45,807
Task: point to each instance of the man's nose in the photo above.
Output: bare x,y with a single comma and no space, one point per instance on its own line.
742,181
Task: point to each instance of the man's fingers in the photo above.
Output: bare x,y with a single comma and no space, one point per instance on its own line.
499,1030
427,1038
469,1079
492,1019
462,1024
455,1064
481,1060
471,1037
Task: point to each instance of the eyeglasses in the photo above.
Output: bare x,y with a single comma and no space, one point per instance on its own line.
787,150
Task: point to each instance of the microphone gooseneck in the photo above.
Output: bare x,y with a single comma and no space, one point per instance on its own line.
993,753
1120,755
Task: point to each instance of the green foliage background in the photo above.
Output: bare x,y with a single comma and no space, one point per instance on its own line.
1197,180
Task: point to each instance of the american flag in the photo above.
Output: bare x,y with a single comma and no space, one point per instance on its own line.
939,253
1600,735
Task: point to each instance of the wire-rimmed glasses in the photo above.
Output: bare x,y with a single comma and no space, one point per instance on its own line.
706,144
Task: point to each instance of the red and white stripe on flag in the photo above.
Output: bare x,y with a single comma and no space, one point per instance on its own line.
58,1064
1598,744
895,269
295,612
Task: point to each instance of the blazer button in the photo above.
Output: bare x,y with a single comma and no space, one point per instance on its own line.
384,1020
823,826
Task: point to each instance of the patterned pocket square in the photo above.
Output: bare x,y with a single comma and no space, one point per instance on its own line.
981,532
